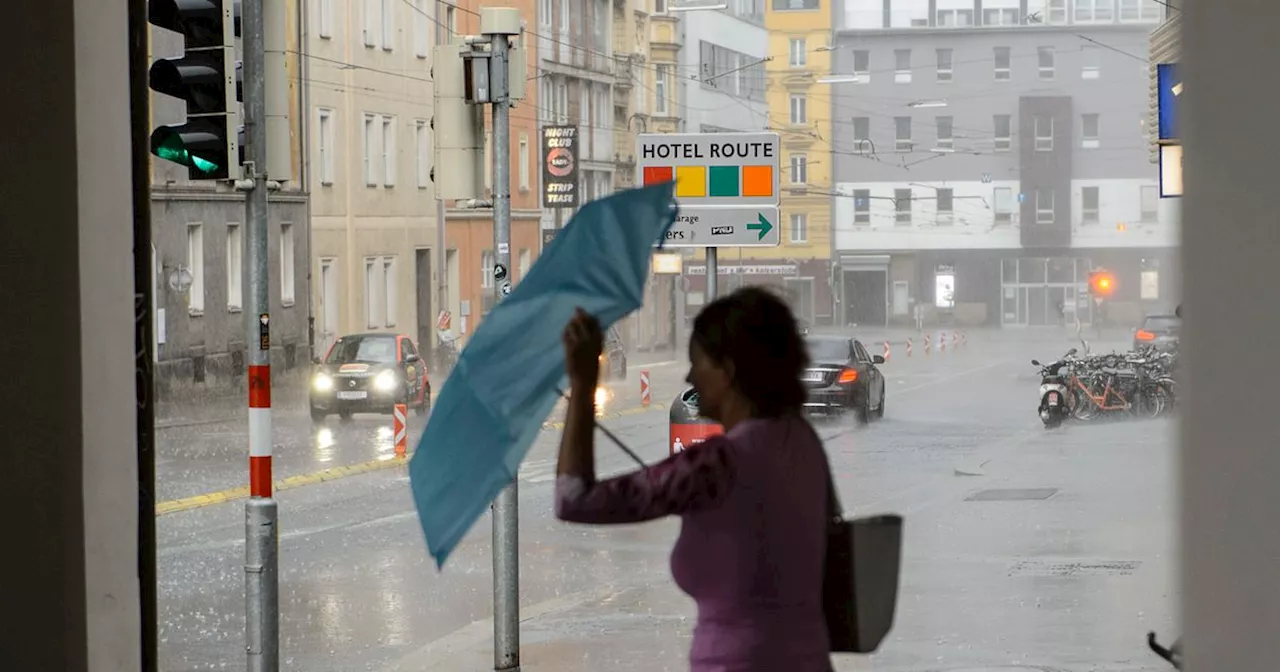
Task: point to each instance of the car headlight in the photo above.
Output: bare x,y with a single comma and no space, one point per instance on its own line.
323,382
602,398
385,381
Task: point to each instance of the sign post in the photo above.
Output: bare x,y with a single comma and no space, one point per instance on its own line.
1169,85
727,189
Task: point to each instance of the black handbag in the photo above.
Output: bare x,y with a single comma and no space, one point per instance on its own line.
860,578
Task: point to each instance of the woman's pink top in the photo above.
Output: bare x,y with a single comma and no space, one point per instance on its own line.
752,543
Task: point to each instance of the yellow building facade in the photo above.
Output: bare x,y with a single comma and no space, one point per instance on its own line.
800,112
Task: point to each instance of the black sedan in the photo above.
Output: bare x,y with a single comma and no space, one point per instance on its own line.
1158,331
843,376
369,373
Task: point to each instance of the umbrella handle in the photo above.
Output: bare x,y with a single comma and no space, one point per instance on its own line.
612,437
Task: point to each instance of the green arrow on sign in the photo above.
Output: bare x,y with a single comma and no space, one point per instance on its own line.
762,225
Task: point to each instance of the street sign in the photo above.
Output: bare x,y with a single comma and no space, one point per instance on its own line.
727,186
1169,92
724,227
713,169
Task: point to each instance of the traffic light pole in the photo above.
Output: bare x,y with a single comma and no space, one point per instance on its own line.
262,592
506,534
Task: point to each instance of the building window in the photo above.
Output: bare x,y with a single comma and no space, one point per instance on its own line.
369,27
945,63
946,138
862,66
1000,17
488,158
1046,56
659,6
324,145
1089,205
799,110
195,264
372,305
389,151
1056,11
524,162
1002,68
1089,131
324,19
389,291
1150,197
799,53
235,267
945,209
799,169
794,5
902,206
1090,62
862,135
1003,198
1044,133
902,134
955,18
861,206
487,263
545,11
661,80
1044,206
288,252
388,24
370,146
902,66
450,20
1003,124
422,154
799,228
1094,11
421,38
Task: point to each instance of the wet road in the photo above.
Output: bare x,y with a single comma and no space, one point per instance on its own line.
1069,578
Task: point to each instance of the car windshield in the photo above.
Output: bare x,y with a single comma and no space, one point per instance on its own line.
1162,323
365,349
828,349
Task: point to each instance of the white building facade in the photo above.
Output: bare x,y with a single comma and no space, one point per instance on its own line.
722,69
990,155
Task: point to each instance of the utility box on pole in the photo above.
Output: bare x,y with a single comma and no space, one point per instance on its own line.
457,128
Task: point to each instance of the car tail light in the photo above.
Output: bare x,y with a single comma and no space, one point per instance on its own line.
1144,335
848,376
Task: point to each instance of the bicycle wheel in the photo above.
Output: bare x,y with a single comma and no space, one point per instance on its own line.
1083,408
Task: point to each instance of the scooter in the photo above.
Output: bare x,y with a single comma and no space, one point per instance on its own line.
1055,399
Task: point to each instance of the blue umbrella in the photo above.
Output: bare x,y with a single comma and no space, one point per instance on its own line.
506,380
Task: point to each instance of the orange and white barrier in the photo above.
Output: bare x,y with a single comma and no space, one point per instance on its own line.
908,347
942,342
401,434
646,391
927,345
886,351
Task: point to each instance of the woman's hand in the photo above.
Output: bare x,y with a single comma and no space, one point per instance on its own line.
583,344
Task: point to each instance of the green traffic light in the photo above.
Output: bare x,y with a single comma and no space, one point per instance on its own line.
192,145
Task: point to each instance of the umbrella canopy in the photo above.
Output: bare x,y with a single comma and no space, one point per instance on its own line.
505,381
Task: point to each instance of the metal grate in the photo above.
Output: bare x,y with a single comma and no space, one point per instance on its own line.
1012,495
1075,569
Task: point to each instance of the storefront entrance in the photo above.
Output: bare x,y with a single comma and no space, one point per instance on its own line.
1039,291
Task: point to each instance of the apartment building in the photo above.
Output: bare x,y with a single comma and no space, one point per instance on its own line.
800,111
368,90
992,152
199,258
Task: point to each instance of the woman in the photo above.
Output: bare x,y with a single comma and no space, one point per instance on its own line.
753,502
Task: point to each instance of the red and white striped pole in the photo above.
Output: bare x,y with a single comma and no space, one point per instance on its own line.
398,429
260,419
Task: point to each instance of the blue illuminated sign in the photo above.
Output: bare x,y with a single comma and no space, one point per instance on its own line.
1169,85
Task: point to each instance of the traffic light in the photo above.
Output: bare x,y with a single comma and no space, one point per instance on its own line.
1102,283
457,127
207,77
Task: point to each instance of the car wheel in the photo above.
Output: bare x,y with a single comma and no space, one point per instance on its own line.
318,415
344,415
863,409
622,369
880,408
